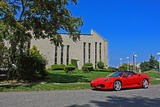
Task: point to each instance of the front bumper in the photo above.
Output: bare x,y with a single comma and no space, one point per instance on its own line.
104,85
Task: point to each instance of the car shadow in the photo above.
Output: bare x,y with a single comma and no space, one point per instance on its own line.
124,89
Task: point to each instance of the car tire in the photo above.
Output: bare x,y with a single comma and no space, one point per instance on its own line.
145,83
117,85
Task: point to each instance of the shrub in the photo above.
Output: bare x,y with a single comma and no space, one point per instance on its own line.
58,67
69,68
87,67
32,66
74,62
88,64
101,70
112,69
100,64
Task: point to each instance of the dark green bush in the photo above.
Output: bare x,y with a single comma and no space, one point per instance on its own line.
101,70
32,67
87,67
74,62
109,69
69,68
88,64
58,67
112,69
100,64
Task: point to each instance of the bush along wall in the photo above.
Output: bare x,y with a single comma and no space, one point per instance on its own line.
87,67
69,68
100,65
58,67
74,62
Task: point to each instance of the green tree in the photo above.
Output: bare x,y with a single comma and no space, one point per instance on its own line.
22,20
145,66
153,63
125,67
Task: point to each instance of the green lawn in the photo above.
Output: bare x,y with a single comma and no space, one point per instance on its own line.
73,81
75,76
44,87
154,77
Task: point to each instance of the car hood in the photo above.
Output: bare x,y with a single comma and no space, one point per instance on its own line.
101,79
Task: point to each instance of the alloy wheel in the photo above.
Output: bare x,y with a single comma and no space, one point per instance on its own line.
117,85
145,83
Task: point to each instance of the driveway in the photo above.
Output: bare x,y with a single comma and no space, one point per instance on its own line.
138,97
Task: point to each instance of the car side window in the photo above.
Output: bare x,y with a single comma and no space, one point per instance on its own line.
129,74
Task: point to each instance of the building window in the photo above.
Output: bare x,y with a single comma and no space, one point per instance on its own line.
95,54
89,52
100,46
84,52
62,54
67,61
55,58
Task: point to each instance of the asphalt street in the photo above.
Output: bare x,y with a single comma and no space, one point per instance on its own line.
138,97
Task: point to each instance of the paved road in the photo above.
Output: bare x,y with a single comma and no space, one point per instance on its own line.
83,98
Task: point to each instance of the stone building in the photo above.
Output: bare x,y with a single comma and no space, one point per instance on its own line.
91,48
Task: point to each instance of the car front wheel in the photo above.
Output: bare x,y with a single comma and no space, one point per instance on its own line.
145,83
117,85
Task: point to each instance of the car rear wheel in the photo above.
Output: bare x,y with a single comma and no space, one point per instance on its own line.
117,85
145,83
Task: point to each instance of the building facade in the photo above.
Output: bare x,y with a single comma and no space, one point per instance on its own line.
91,48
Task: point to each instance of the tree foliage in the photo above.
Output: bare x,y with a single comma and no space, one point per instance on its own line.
44,17
22,20
125,67
145,66
152,64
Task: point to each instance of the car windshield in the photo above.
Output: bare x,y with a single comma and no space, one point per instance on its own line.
116,74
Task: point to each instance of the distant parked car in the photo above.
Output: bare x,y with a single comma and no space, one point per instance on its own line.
119,80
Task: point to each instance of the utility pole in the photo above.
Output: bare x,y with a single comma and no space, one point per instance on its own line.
127,63
134,62
159,60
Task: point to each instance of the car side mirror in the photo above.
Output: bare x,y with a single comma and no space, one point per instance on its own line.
125,76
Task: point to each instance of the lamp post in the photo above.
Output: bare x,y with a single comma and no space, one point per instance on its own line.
159,60
127,63
120,61
134,62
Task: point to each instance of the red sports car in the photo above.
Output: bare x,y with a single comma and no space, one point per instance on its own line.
119,80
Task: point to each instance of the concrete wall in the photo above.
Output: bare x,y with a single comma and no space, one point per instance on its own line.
76,49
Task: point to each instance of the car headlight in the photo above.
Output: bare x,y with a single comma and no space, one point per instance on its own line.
107,79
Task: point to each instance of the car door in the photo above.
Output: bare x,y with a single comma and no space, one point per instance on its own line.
131,79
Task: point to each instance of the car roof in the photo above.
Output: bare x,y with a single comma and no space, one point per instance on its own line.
127,71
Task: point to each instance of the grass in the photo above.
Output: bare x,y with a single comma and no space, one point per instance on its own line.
44,87
73,81
75,76
154,77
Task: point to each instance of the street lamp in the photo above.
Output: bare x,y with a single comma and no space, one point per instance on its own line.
128,63
120,61
159,60
134,62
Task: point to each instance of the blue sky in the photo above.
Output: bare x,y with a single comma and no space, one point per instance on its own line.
130,26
